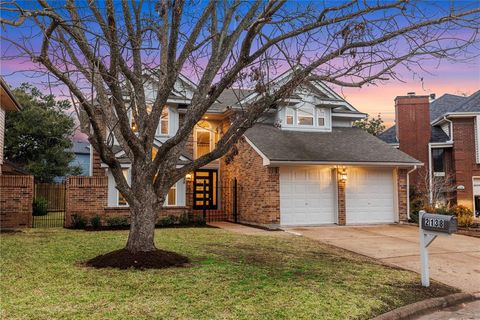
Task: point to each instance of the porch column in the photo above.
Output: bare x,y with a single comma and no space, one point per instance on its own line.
341,185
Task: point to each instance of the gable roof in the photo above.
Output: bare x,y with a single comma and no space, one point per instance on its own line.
446,103
470,104
7,99
436,135
341,146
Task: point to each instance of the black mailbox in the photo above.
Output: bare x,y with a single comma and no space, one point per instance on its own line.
439,223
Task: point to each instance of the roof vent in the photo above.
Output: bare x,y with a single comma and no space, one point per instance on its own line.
432,96
411,94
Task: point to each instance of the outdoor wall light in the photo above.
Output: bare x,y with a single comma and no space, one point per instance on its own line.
189,177
343,175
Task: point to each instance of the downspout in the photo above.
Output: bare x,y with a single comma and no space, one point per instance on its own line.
451,128
408,191
430,174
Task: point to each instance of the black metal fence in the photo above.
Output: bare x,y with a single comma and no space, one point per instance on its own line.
53,215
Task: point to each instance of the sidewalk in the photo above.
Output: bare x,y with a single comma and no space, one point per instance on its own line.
463,311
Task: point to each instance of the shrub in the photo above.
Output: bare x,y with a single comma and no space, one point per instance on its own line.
168,221
416,205
40,206
95,221
184,219
446,210
117,222
464,216
199,220
78,222
414,217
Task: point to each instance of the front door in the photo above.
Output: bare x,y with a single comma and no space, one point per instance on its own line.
205,189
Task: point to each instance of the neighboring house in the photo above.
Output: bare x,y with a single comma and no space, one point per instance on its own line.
302,164
81,149
16,186
8,103
445,135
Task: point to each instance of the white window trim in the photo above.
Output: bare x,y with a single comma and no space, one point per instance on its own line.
315,127
118,191
176,197
158,132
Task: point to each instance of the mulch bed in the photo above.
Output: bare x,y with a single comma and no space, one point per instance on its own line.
123,259
472,232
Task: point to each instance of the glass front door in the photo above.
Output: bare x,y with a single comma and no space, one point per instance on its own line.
205,189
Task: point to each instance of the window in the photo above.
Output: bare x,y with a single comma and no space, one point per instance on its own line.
289,113
121,199
172,196
321,118
164,121
438,159
305,116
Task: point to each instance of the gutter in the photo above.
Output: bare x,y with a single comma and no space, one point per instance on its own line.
451,128
408,190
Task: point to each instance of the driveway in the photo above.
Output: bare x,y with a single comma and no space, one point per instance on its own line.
454,260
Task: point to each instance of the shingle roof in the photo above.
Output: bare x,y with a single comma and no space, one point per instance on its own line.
80,147
444,104
342,145
471,104
436,135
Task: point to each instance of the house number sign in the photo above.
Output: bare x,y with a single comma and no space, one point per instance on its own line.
430,226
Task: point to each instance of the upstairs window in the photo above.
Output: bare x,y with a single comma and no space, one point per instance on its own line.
438,160
321,116
164,121
289,114
305,116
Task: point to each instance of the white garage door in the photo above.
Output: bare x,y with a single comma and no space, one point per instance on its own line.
370,195
307,196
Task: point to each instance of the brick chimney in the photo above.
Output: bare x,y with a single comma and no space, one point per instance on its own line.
412,116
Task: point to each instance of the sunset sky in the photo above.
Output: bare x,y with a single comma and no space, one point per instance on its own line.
453,77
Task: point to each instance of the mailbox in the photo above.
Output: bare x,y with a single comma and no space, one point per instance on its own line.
439,223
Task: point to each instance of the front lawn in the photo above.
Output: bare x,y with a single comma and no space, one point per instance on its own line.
232,277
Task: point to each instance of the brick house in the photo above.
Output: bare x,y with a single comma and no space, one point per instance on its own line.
445,135
302,164
16,188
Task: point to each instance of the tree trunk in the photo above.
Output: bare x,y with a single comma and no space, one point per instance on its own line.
142,227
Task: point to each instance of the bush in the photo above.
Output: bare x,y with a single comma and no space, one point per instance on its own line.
446,210
40,206
184,219
464,216
199,220
95,221
78,222
168,221
414,217
117,222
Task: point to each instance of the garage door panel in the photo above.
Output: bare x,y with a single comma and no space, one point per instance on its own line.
370,196
306,195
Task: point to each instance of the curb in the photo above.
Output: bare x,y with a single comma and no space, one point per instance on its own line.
422,307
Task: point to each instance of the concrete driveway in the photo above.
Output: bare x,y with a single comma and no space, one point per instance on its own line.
454,260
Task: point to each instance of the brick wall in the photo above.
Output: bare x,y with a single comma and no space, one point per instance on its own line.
258,186
16,198
464,160
402,194
87,197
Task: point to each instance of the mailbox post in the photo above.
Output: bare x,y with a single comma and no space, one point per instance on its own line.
431,226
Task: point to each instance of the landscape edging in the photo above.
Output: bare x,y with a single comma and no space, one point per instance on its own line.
425,306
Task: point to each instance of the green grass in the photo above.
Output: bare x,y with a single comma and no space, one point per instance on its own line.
232,277
50,220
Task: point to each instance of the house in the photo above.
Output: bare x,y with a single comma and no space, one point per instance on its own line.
445,135
8,103
302,164
16,187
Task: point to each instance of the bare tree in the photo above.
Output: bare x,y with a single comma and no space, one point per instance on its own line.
435,190
102,54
